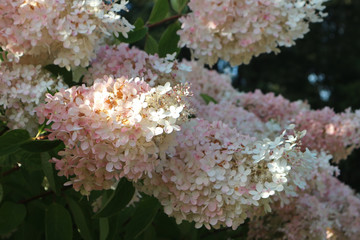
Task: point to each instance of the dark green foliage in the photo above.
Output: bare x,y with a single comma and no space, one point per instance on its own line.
168,43
118,199
207,98
11,216
11,141
159,11
144,214
58,223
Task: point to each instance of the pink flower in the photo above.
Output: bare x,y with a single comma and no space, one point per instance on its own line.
237,30
108,130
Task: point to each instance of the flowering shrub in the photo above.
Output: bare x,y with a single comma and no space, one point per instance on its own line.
57,31
237,30
113,124
116,128
22,88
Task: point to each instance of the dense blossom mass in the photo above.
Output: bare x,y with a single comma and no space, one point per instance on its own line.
22,89
123,61
116,128
209,82
337,134
57,31
237,30
243,121
270,107
218,177
137,116
330,212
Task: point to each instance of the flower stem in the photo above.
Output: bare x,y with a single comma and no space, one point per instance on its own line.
175,17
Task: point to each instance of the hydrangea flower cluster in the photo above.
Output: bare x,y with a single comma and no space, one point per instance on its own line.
330,213
116,128
63,32
123,61
339,134
22,88
209,82
237,30
217,177
231,163
245,122
270,107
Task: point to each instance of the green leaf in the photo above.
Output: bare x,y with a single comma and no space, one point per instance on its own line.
159,11
11,216
40,145
137,34
139,23
145,213
120,219
1,193
150,234
59,71
24,231
11,141
58,224
34,224
169,229
104,228
178,5
207,98
49,172
168,43
78,73
122,195
80,220
151,46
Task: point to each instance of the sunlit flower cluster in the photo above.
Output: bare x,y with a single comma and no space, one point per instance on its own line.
22,89
237,30
332,212
117,128
57,31
217,177
123,61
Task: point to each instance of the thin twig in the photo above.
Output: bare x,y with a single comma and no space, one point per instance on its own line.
45,194
164,21
14,169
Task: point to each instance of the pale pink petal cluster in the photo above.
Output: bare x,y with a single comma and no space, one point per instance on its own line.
330,213
237,30
209,82
245,122
270,107
123,61
65,33
22,89
116,128
338,134
217,177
